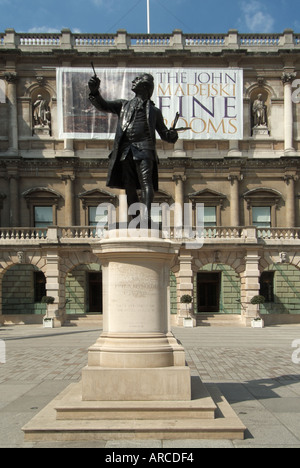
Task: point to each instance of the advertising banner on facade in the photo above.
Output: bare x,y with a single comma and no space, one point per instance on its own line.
209,101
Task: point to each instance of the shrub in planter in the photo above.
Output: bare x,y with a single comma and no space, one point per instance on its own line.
47,300
186,299
258,322
258,300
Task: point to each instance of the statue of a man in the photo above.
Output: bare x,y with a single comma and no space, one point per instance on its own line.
133,161
259,111
41,112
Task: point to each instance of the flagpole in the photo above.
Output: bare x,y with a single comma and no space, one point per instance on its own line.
148,16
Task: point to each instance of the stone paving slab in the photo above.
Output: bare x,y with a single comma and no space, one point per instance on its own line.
253,369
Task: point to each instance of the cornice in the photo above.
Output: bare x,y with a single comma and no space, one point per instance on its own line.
188,163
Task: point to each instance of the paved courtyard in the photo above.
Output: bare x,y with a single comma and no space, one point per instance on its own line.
253,368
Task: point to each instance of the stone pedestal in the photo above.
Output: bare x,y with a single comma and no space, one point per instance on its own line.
136,357
41,131
261,132
136,383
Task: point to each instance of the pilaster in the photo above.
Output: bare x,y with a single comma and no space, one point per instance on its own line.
287,78
290,200
13,178
55,286
69,199
11,79
234,199
185,285
250,286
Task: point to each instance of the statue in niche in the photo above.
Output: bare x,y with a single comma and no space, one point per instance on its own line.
41,115
259,115
259,110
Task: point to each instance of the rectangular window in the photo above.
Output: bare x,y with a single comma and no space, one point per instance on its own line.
267,285
210,216
98,216
156,214
43,216
261,216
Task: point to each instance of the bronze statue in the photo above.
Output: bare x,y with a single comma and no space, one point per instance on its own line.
133,161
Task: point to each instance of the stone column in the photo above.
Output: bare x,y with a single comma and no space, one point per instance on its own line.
69,200
250,286
11,79
290,201
287,79
179,199
234,200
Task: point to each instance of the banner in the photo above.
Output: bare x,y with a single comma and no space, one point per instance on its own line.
209,101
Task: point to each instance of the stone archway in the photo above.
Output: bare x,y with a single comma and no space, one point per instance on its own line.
22,289
284,295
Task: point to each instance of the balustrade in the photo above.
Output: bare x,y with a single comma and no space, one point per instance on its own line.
65,39
92,234
23,234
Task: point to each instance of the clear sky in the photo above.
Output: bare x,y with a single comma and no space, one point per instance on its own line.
192,16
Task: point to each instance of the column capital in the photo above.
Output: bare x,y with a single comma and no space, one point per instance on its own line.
288,77
177,177
11,77
66,177
288,178
233,177
12,172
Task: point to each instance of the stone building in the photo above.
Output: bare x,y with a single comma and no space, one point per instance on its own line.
50,186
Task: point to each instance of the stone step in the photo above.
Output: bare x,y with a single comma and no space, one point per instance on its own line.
85,320
219,320
45,426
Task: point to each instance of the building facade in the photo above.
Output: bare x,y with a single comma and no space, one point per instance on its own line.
50,187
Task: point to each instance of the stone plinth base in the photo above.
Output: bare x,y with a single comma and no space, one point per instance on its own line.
41,131
139,366
136,383
261,132
206,416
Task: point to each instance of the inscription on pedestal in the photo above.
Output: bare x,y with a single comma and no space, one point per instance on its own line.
136,298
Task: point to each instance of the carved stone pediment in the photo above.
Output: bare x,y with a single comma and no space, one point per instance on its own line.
207,197
96,196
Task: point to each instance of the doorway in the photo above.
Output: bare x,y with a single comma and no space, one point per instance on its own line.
208,292
95,292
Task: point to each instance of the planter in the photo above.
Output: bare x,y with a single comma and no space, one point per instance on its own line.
257,323
188,323
48,322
